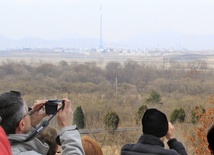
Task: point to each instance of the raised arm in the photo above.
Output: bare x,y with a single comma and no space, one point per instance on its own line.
69,135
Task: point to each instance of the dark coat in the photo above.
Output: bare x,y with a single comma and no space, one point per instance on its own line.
151,145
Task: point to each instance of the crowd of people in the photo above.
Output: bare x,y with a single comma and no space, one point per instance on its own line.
18,122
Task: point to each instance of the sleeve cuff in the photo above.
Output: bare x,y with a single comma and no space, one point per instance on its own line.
67,128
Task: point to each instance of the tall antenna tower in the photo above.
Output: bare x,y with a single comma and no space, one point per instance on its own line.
101,40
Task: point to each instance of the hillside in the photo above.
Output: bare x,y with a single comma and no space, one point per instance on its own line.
162,40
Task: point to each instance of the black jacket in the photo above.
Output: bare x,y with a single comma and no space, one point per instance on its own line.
151,145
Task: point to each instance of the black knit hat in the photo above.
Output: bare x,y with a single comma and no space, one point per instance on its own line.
155,123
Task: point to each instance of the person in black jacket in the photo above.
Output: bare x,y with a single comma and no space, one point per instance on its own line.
210,139
156,129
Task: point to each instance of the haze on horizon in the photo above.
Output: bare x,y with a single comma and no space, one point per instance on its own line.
121,19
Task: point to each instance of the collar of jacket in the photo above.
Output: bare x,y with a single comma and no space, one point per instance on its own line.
16,141
149,139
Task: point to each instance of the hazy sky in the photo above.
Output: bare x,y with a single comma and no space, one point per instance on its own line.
55,19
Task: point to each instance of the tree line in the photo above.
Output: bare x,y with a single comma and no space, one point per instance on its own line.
89,78
180,89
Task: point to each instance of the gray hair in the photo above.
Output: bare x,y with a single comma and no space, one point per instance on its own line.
12,110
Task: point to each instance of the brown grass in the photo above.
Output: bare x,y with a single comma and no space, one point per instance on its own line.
112,144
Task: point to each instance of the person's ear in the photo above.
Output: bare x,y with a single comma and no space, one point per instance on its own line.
21,126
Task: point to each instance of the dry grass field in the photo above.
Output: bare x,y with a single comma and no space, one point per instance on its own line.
111,144
159,59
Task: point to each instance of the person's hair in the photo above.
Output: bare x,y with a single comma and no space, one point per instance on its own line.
48,136
12,110
90,146
210,138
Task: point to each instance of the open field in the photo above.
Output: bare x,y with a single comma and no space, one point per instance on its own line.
94,88
159,59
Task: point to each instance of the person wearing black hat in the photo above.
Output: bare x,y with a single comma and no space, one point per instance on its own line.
156,129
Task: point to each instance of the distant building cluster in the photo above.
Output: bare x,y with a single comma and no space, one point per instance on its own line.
118,51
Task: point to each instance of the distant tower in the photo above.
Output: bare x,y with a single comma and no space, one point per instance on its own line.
101,40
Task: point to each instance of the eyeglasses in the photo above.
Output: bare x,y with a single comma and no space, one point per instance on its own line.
31,111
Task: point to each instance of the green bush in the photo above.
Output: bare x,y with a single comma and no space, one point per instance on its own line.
173,116
79,117
111,122
178,115
140,113
197,113
154,97
181,115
